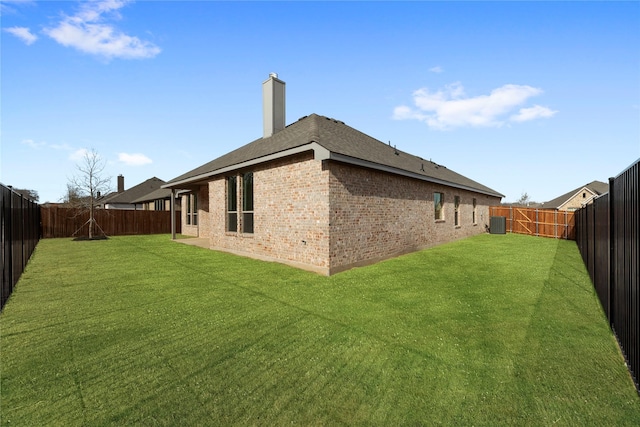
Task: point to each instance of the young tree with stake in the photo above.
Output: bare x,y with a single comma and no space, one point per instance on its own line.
87,183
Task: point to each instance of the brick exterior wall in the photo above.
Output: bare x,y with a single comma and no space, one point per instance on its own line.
187,230
577,201
328,216
291,214
203,228
377,215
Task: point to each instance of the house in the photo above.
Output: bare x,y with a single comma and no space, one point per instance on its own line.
157,200
581,196
127,199
323,196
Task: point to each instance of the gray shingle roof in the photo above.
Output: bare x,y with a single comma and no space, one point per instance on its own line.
134,193
597,187
344,143
160,193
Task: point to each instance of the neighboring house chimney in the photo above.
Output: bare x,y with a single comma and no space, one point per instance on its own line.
273,105
120,183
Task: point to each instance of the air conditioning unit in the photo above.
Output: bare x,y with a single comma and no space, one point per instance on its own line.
498,225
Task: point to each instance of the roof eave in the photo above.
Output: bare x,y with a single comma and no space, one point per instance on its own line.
320,153
402,172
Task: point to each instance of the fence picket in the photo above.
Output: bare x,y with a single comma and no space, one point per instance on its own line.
608,236
67,222
537,222
20,228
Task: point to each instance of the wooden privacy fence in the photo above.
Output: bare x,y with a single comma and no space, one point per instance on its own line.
537,222
68,222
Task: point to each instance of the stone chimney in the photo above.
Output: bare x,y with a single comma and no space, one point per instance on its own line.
273,107
120,183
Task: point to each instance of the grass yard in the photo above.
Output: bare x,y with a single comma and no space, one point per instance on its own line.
491,330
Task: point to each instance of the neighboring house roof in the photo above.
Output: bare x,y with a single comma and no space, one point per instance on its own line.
596,187
131,195
160,193
330,139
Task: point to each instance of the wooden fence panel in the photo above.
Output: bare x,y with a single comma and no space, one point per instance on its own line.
67,222
537,222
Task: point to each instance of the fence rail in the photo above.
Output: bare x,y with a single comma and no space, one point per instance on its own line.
537,222
20,226
608,236
67,222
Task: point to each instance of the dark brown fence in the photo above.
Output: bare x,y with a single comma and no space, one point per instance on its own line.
537,222
20,227
608,235
67,222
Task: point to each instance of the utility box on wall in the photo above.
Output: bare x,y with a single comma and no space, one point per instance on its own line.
498,225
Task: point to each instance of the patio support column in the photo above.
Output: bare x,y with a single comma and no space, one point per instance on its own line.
173,214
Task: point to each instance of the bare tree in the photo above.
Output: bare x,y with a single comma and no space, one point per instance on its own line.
524,199
71,197
29,194
83,188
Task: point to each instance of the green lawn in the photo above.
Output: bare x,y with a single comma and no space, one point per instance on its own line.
491,330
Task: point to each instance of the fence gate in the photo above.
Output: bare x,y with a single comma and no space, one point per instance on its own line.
522,223
537,222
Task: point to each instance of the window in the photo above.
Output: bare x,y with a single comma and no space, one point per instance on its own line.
473,217
232,203
195,208
192,209
456,210
243,184
189,209
158,205
247,202
438,202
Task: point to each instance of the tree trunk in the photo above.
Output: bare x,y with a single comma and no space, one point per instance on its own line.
91,220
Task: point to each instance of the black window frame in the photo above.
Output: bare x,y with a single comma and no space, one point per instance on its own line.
456,211
247,203
438,200
232,204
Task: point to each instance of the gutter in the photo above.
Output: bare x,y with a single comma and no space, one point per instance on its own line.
321,153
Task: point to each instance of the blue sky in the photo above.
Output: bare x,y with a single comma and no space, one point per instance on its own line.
522,97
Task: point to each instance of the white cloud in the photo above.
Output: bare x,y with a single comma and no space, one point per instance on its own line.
532,113
33,144
437,69
87,32
7,6
23,33
136,159
78,154
450,107
64,147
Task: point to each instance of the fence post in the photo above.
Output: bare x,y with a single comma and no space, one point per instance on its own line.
510,219
612,247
